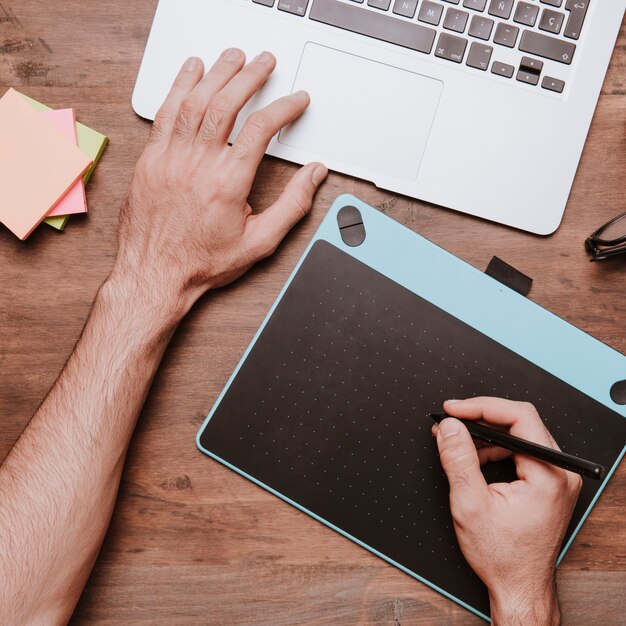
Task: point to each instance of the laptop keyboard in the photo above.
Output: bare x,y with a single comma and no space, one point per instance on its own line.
470,32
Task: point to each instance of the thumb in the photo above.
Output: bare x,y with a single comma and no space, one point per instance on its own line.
268,229
459,460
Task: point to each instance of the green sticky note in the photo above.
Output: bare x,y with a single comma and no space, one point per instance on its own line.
90,141
57,222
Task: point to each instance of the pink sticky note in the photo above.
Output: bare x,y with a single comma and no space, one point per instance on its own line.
74,201
38,165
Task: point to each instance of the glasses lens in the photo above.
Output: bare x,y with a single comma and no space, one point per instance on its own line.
616,230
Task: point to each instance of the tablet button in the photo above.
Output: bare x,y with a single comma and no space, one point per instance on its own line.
618,392
351,226
349,216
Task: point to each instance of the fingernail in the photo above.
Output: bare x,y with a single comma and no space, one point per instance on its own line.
448,428
452,401
232,54
191,64
300,93
264,56
319,174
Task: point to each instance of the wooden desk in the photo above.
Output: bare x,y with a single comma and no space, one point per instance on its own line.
190,541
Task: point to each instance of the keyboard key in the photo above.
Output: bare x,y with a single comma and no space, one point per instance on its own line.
406,8
551,21
479,56
383,5
547,47
377,25
265,3
452,1
296,7
501,8
480,27
553,3
552,84
526,13
502,69
527,77
477,5
528,64
430,13
578,10
506,35
450,47
455,20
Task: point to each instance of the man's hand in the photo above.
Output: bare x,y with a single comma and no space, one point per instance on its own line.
186,225
510,533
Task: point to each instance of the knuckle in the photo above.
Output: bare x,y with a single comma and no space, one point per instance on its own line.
162,120
259,123
265,247
183,123
559,483
576,484
465,509
209,128
458,463
302,204
241,147
187,114
190,105
157,132
527,408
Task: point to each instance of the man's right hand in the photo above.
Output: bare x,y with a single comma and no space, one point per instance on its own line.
186,225
510,533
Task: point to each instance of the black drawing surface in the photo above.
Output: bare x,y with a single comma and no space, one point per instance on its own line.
330,409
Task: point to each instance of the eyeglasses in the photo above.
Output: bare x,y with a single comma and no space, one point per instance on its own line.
609,240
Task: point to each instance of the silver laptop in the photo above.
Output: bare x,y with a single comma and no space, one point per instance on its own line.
481,106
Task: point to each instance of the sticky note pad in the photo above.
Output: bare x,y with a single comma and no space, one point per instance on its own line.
74,200
38,164
90,141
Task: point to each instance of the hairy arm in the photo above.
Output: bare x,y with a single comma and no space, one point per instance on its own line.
59,483
185,227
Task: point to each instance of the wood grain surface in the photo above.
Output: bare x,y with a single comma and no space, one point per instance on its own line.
190,541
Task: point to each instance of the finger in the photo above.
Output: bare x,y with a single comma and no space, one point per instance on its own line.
185,81
194,104
486,452
459,459
225,105
266,230
258,130
493,454
521,418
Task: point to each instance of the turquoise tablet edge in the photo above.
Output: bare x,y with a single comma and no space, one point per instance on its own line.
444,280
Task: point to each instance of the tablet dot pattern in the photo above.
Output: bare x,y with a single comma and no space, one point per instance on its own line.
331,408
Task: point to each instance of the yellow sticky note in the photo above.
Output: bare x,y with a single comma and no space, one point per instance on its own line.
90,141
38,164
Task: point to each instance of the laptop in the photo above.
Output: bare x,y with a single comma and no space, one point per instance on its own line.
481,106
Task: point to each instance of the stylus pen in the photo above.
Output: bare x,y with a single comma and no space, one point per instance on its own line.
515,444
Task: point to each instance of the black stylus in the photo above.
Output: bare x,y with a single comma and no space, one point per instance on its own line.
515,444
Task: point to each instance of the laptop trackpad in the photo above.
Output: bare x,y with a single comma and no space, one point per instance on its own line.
362,112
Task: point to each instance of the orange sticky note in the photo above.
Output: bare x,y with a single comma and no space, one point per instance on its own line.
74,201
38,165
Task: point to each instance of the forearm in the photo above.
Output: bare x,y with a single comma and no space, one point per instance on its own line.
537,605
59,483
